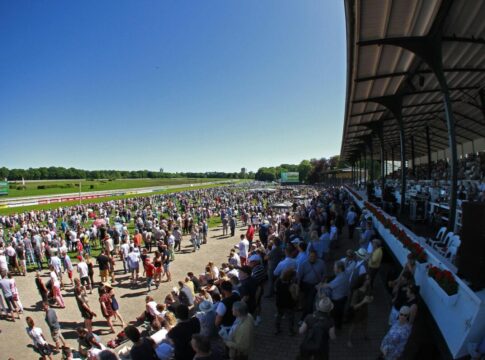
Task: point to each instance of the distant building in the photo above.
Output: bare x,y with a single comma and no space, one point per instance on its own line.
243,171
161,170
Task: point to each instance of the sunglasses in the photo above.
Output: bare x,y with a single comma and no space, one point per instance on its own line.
406,315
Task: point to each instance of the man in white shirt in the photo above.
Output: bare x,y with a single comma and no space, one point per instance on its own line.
234,258
82,269
351,221
134,264
56,264
243,247
125,250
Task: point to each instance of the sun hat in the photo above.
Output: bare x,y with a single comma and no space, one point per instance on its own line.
405,310
107,284
361,253
205,306
325,305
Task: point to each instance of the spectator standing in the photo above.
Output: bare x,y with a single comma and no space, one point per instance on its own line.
286,289
317,329
40,343
309,274
395,341
54,326
339,289
143,347
240,339
181,334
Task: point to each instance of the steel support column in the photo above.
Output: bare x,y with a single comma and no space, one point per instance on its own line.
360,170
413,157
371,150
352,173
381,143
385,164
392,161
394,105
429,49
428,145
481,93
365,165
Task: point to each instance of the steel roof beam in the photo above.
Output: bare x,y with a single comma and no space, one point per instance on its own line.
412,74
472,40
419,92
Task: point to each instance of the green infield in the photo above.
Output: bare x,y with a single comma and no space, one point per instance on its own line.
213,222
20,209
39,188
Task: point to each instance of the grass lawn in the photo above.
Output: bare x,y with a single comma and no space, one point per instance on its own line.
14,210
214,221
72,186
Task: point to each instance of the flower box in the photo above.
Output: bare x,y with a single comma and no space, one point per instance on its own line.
448,300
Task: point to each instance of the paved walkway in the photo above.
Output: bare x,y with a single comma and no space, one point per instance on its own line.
15,343
14,339
284,346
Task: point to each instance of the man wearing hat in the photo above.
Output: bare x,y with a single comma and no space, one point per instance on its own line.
318,323
360,268
207,318
375,259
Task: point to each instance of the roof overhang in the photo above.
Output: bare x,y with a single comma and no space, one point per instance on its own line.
377,68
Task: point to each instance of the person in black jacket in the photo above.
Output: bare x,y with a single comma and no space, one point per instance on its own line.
181,334
286,298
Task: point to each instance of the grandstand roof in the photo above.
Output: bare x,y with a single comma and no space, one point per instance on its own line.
377,69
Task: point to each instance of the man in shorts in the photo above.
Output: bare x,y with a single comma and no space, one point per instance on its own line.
54,326
103,262
134,264
82,269
8,295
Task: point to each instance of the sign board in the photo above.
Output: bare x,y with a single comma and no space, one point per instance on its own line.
3,187
290,177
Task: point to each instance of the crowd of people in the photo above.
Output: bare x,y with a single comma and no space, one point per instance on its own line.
470,167
284,255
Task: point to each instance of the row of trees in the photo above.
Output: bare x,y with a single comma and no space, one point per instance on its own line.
53,173
311,171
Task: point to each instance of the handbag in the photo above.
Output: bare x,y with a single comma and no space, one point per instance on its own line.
114,304
45,349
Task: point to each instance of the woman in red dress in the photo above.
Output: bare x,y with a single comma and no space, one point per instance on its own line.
106,306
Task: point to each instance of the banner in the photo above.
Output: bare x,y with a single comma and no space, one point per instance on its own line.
290,177
3,187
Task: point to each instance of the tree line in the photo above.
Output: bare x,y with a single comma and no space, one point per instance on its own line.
310,171
57,173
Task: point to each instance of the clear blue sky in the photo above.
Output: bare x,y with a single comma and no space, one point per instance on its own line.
187,85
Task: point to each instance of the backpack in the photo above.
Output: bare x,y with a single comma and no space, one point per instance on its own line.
316,338
294,291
